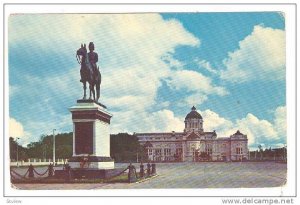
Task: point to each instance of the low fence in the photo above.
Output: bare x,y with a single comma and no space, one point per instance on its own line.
32,175
38,162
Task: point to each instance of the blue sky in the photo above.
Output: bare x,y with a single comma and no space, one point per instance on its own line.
231,66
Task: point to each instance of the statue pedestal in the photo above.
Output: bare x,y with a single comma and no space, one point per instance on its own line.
91,136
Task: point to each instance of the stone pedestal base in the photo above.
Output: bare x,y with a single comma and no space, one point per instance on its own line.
91,141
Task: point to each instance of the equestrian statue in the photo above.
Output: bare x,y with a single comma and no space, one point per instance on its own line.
89,72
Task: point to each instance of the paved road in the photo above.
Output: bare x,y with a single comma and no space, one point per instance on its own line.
191,175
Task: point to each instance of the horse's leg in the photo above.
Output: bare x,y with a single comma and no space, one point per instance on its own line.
98,91
90,92
98,94
84,90
93,91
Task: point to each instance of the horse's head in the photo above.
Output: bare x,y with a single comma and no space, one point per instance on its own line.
82,51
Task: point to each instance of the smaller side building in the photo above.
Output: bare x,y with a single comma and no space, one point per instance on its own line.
194,144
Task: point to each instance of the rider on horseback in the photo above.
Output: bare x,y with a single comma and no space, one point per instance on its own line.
93,59
89,72
93,56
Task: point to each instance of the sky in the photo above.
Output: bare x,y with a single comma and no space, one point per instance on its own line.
155,67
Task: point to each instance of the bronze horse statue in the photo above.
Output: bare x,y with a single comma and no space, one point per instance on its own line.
88,73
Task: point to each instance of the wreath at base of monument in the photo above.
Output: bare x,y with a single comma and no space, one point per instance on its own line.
85,162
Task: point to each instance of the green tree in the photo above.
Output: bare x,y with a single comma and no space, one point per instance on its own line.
16,149
44,147
63,145
126,148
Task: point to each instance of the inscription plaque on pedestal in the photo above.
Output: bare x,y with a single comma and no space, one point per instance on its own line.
83,138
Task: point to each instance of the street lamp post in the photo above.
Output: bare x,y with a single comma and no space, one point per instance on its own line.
53,148
17,151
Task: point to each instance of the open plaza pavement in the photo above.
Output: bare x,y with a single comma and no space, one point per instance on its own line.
187,175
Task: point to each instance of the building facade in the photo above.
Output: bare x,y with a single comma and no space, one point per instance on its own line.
194,144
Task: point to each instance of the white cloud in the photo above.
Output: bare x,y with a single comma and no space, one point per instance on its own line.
280,122
41,117
120,39
261,55
128,102
165,120
56,86
15,128
165,104
159,121
130,48
194,81
213,121
206,65
192,100
130,88
172,62
47,125
258,131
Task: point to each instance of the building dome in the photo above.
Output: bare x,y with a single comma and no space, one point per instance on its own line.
193,114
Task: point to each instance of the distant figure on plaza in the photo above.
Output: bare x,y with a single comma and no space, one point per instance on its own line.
89,71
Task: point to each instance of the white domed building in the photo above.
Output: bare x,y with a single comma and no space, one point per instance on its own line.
194,144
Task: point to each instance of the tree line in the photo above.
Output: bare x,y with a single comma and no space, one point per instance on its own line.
269,154
123,148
